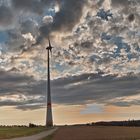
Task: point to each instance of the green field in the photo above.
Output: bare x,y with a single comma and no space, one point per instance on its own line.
11,132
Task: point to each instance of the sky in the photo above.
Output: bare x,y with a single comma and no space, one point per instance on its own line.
95,62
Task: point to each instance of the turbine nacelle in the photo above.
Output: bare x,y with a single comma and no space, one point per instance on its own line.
50,46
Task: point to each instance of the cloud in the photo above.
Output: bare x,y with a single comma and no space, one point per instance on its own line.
98,88
31,6
69,14
116,3
83,48
20,91
29,26
66,18
48,2
25,92
6,16
98,52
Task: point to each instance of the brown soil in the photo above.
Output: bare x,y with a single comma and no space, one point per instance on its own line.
97,133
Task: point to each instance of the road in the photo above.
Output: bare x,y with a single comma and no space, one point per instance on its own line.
36,136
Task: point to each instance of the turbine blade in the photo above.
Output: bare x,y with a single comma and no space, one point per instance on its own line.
51,52
49,41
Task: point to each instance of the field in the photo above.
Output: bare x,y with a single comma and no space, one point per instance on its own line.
76,133
11,132
96,133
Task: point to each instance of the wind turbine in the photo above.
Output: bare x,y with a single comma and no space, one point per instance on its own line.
49,118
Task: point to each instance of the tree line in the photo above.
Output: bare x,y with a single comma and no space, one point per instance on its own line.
135,123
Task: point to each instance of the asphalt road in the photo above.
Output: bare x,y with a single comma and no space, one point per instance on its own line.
36,136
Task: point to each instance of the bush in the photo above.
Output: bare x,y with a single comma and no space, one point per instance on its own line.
32,125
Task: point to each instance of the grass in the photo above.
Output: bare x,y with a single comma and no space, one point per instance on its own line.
12,132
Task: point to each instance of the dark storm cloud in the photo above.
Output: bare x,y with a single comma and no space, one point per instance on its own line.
95,87
73,90
35,6
68,16
30,107
122,103
30,94
48,2
29,26
15,40
65,19
6,16
24,105
28,5
9,77
10,82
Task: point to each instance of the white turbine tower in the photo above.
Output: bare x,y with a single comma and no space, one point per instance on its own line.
49,118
